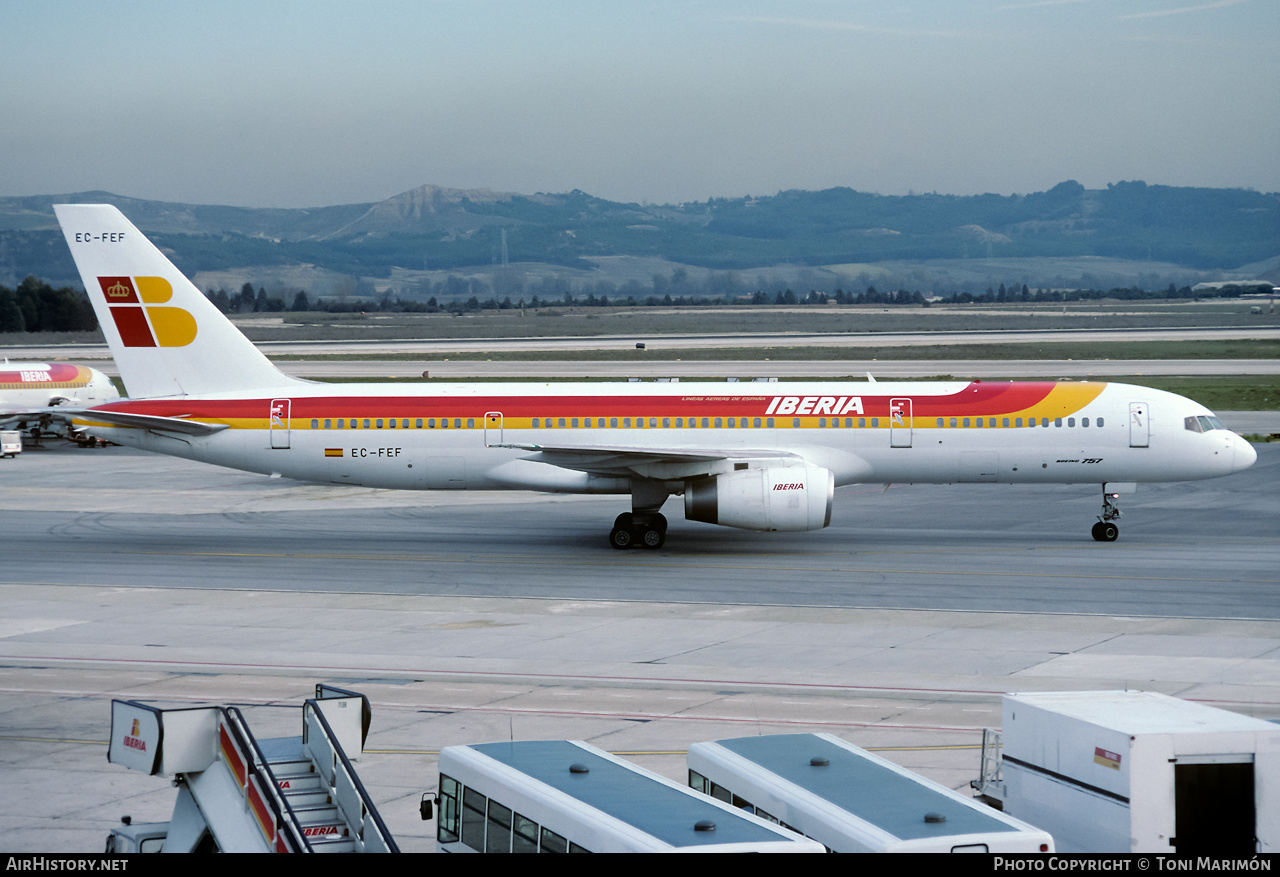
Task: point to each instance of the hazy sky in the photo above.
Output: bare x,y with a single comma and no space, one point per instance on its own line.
293,104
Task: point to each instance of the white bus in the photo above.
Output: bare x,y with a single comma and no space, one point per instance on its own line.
851,801
564,796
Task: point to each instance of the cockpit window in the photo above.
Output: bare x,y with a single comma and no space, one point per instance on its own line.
1202,423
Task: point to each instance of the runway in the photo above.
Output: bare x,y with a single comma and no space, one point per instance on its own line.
486,616
438,348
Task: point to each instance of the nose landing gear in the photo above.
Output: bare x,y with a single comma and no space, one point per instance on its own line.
1106,530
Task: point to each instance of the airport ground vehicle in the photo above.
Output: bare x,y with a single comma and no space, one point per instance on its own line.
239,793
851,800
10,443
566,796
1139,772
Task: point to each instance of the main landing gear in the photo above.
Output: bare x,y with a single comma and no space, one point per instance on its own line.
638,531
1106,530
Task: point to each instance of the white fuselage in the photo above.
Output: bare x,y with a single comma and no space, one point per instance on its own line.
459,436
33,385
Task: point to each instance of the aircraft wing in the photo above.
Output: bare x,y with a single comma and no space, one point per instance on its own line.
13,414
660,463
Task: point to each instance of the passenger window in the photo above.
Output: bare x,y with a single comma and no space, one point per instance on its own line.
315,424
1071,421
769,423
653,422
560,423
875,423
573,422
718,421
705,423
366,423
626,423
1099,421
471,423
1017,422
756,423
613,423
666,422
1084,421
1057,421
392,423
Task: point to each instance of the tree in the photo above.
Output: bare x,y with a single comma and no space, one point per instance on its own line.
11,319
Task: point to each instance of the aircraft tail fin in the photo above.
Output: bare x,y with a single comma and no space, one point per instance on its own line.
167,338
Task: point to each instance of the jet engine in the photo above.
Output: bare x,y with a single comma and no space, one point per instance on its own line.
772,498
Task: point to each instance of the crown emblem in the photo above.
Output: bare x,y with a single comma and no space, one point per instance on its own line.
118,290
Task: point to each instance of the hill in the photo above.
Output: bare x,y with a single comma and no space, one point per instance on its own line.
1129,232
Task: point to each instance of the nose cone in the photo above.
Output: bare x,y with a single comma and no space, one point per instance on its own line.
1244,454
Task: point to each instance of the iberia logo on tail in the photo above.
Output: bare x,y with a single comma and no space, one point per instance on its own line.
137,306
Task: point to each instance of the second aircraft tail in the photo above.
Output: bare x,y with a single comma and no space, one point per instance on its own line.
167,338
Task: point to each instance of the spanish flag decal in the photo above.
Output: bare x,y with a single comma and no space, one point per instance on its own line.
1106,759
333,452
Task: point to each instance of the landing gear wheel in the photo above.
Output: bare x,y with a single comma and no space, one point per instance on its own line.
650,532
1105,531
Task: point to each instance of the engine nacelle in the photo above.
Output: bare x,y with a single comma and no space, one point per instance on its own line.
772,498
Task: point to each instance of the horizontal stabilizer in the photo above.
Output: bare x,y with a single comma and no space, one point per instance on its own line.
141,421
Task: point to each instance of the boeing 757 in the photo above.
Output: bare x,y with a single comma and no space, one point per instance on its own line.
750,455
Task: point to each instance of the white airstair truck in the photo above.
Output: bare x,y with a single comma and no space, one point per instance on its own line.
1136,772
240,794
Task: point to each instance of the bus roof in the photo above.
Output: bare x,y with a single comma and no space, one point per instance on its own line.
870,788
649,803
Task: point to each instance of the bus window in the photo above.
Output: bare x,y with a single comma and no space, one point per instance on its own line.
524,835
447,821
473,816
552,842
498,839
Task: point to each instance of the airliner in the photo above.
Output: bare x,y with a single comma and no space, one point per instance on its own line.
29,389
758,456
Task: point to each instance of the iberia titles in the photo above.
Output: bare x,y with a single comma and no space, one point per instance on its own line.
833,405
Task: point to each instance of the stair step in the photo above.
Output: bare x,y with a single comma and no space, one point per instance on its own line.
300,798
